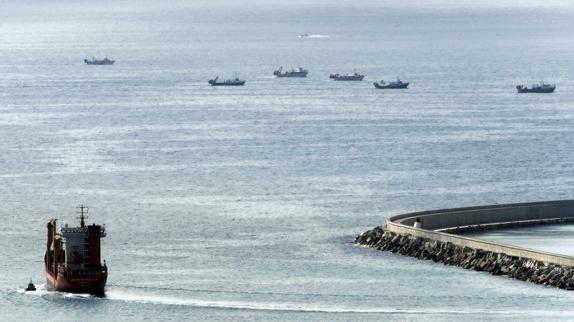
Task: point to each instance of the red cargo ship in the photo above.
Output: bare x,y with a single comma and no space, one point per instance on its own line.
72,260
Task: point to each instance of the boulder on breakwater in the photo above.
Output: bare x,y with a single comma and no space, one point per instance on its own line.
524,269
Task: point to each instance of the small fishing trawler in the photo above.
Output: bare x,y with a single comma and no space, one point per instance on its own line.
537,88
95,61
398,84
299,72
346,77
228,82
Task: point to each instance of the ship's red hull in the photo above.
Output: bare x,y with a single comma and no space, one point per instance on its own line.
94,284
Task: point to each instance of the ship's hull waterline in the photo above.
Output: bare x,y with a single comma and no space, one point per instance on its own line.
91,285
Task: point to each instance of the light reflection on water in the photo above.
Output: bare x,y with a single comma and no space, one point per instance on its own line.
241,204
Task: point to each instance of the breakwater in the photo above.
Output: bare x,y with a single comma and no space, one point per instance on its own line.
435,238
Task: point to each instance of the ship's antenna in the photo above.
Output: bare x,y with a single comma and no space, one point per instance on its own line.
83,210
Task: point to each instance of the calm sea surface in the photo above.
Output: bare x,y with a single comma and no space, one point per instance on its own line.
231,204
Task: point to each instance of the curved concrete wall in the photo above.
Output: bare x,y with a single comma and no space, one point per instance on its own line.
434,220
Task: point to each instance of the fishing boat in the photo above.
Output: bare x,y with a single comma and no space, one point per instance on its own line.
537,88
228,82
398,84
299,72
95,61
72,259
346,77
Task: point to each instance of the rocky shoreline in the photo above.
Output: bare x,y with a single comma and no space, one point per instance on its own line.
520,268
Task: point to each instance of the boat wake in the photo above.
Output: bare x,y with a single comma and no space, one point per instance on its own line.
237,305
42,290
156,299
120,295
313,36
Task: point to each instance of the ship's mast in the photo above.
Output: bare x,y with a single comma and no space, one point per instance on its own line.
83,210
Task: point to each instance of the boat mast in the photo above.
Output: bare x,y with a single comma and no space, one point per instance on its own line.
83,209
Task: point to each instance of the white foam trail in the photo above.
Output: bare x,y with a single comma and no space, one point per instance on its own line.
42,290
266,306
117,295
260,306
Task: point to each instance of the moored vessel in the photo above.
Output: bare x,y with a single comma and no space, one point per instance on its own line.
95,61
299,72
398,84
228,82
73,257
346,77
537,88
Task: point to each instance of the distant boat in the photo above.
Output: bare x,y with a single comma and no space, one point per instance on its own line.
299,72
306,35
228,82
537,88
95,61
398,84
346,77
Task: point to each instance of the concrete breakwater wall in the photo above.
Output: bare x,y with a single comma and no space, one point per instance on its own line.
431,241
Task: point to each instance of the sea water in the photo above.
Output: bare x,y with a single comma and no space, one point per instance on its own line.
242,203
